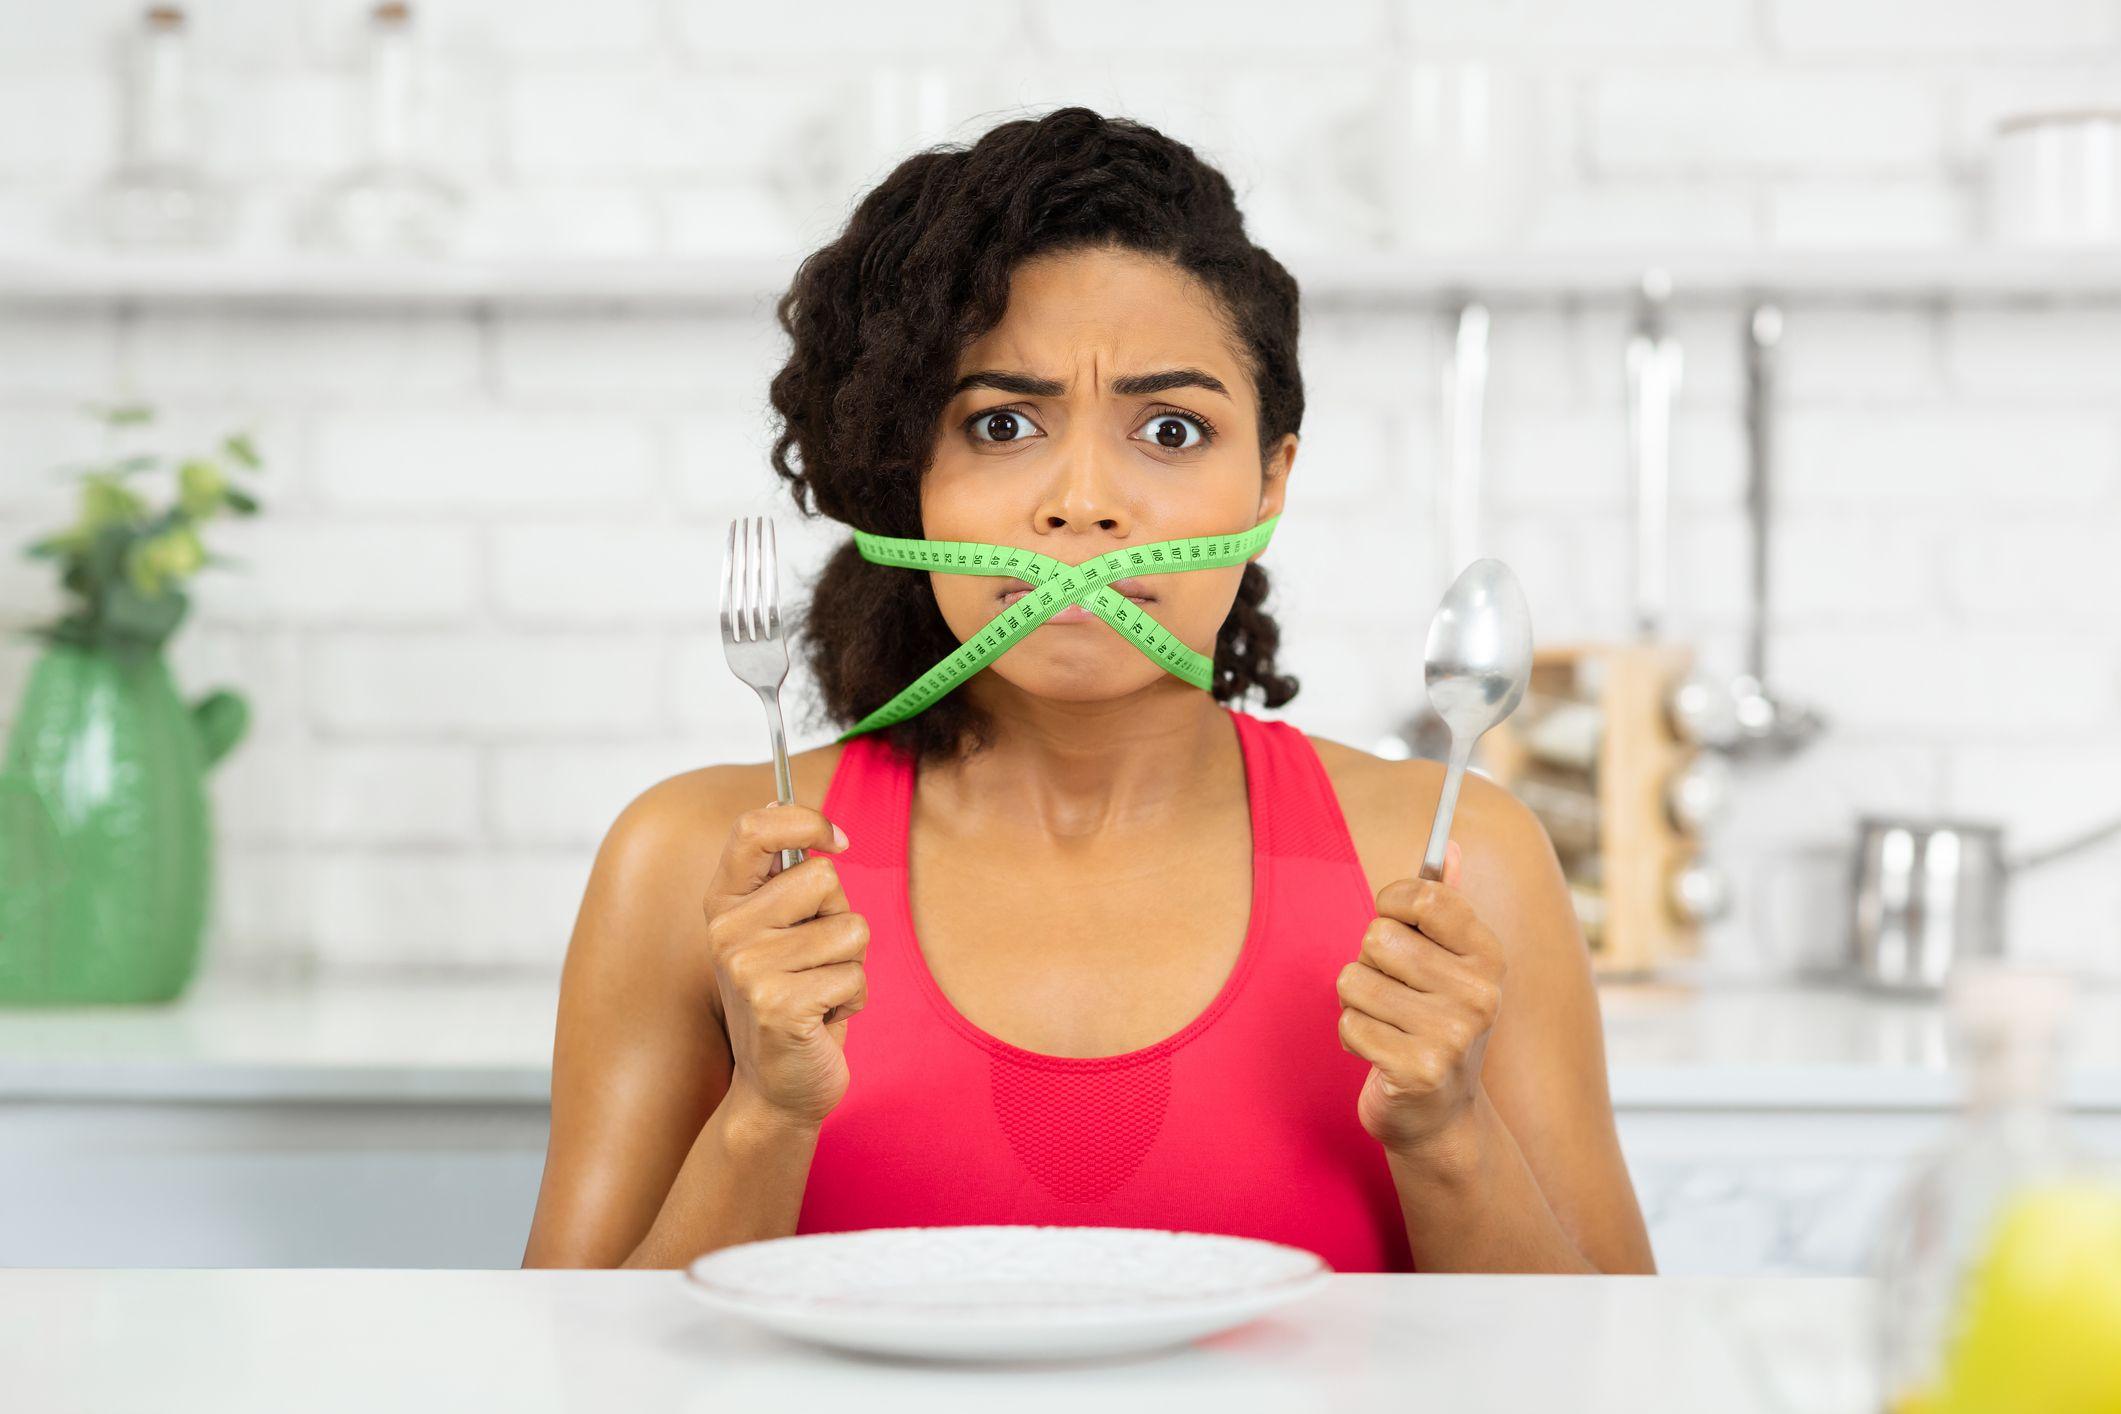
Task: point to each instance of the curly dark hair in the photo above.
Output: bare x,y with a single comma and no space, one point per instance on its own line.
879,317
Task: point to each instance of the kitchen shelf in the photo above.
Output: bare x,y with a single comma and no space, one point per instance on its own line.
749,284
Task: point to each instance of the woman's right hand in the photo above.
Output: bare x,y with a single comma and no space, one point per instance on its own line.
787,955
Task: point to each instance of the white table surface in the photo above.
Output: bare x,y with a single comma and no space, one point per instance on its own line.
118,1340
1668,1046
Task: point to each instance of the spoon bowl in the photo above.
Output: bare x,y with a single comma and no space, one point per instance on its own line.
1476,663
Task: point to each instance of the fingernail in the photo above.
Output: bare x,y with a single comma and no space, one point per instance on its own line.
839,837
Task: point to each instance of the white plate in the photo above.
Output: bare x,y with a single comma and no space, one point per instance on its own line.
1004,1292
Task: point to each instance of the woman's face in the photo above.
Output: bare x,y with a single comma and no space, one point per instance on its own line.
1053,443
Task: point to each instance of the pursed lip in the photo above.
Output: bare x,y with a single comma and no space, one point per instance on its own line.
1132,587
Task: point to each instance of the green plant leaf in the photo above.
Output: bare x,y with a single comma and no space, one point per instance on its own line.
181,552
124,560
121,414
200,487
143,572
105,502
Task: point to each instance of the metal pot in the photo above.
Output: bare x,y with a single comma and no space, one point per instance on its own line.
1930,893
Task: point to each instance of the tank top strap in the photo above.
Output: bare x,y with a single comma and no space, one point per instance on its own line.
1303,819
868,798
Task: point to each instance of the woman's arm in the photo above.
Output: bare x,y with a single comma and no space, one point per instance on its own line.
653,1159
1549,1116
1476,1005
742,1181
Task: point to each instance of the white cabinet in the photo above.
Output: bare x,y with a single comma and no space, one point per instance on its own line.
267,1184
1797,1192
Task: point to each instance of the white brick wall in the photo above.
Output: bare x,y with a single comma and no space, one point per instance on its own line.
1704,120
1885,26
472,457
476,618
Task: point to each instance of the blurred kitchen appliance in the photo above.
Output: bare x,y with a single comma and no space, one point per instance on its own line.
158,194
2055,178
392,202
1928,896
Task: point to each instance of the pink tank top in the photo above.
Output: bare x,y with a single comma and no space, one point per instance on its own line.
1242,1122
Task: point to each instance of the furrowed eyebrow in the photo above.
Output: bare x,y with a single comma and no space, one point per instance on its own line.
1142,384
1135,385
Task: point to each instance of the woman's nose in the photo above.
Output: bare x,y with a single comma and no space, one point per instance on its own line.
1084,490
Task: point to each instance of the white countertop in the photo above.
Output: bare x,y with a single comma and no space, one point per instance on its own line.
1668,1046
120,1340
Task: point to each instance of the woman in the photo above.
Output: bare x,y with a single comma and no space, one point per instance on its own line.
1077,943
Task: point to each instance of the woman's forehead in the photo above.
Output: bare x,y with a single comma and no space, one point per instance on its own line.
1104,315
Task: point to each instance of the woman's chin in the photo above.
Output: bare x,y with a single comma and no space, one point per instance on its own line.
1085,674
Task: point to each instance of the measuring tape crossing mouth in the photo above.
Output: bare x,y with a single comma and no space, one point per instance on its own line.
1054,586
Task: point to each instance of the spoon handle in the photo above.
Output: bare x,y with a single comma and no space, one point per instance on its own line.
1446,804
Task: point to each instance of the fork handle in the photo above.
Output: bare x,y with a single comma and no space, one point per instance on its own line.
783,777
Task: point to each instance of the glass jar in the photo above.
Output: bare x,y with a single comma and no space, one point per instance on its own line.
2008,1146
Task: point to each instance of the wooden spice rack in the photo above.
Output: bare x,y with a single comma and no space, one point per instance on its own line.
1591,751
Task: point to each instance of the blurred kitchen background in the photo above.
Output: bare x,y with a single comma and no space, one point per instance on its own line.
1619,291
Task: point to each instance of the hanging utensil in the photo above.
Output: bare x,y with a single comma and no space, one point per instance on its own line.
1654,365
1767,725
1458,504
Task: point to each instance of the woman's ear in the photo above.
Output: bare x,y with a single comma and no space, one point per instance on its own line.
1274,476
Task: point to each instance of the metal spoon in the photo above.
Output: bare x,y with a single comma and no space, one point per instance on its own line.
1477,662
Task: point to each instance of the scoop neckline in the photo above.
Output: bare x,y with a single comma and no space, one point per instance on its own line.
1247,955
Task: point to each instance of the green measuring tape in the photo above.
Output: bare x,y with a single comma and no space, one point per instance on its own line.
1054,586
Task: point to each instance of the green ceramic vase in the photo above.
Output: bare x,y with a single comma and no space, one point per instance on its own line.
106,843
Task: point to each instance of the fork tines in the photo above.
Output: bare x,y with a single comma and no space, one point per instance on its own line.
751,601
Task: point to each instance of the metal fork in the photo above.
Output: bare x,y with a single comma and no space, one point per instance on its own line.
752,640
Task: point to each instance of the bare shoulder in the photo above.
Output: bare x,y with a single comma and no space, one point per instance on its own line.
682,815
1389,806
659,855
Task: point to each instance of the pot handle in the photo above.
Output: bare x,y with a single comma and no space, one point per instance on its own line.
220,719
2067,847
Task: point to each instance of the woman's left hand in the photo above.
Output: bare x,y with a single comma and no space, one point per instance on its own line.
1417,1003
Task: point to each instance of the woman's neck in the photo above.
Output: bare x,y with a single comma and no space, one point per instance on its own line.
1075,770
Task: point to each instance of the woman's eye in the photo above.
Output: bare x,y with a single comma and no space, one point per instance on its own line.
1168,430
1002,425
